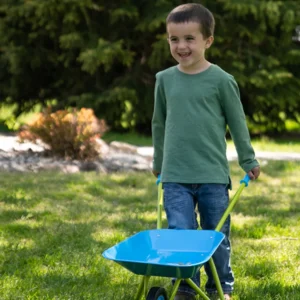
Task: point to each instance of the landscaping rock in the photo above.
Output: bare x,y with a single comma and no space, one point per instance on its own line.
28,157
125,162
123,147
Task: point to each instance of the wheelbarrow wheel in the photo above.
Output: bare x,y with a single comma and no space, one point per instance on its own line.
157,293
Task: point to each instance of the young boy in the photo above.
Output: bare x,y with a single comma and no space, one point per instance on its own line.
194,102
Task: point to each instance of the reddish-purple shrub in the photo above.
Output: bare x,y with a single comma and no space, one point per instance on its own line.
69,134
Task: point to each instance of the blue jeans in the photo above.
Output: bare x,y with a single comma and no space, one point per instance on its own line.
180,201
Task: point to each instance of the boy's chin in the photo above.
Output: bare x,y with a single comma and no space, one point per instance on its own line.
184,65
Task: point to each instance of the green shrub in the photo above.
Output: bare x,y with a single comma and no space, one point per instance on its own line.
68,134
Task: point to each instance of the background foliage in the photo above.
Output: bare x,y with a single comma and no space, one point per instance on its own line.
104,55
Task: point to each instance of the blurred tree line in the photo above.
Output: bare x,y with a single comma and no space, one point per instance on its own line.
104,55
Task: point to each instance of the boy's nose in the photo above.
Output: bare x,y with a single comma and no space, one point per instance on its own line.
181,45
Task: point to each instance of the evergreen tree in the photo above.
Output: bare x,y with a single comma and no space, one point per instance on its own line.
104,55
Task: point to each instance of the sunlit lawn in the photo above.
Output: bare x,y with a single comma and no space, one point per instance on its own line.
54,227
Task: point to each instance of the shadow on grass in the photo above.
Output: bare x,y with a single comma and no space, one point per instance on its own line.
260,270
12,215
277,168
9,216
61,243
129,287
18,197
266,210
58,286
269,291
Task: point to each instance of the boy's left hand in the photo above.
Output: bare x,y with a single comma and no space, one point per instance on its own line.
155,173
254,173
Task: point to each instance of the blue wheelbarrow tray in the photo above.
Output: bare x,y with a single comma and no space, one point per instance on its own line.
166,252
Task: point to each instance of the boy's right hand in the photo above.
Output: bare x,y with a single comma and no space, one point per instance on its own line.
254,173
155,173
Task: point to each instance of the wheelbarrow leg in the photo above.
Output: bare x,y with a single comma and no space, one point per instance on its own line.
175,289
193,285
216,278
143,287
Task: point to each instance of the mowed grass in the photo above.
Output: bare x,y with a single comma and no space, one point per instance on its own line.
54,228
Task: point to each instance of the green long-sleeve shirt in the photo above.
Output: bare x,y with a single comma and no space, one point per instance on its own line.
189,122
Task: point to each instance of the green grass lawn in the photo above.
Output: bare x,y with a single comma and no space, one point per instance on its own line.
54,227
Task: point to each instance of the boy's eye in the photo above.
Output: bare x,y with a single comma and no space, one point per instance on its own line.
173,39
189,38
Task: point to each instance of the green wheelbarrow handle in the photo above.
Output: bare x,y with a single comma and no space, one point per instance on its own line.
243,183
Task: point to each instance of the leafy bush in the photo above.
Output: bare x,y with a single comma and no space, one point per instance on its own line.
82,53
69,134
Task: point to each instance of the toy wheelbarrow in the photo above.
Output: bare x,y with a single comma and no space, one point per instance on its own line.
171,253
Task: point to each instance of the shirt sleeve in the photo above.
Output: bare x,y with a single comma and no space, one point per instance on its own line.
158,123
236,120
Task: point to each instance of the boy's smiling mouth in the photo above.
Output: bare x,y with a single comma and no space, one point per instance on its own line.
184,54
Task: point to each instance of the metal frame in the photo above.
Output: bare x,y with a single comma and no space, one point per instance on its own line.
143,287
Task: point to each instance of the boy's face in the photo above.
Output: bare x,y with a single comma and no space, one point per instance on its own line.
187,45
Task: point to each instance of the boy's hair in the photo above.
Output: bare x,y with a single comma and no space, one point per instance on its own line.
193,12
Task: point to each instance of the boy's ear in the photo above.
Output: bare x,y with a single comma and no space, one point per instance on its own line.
168,40
209,42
